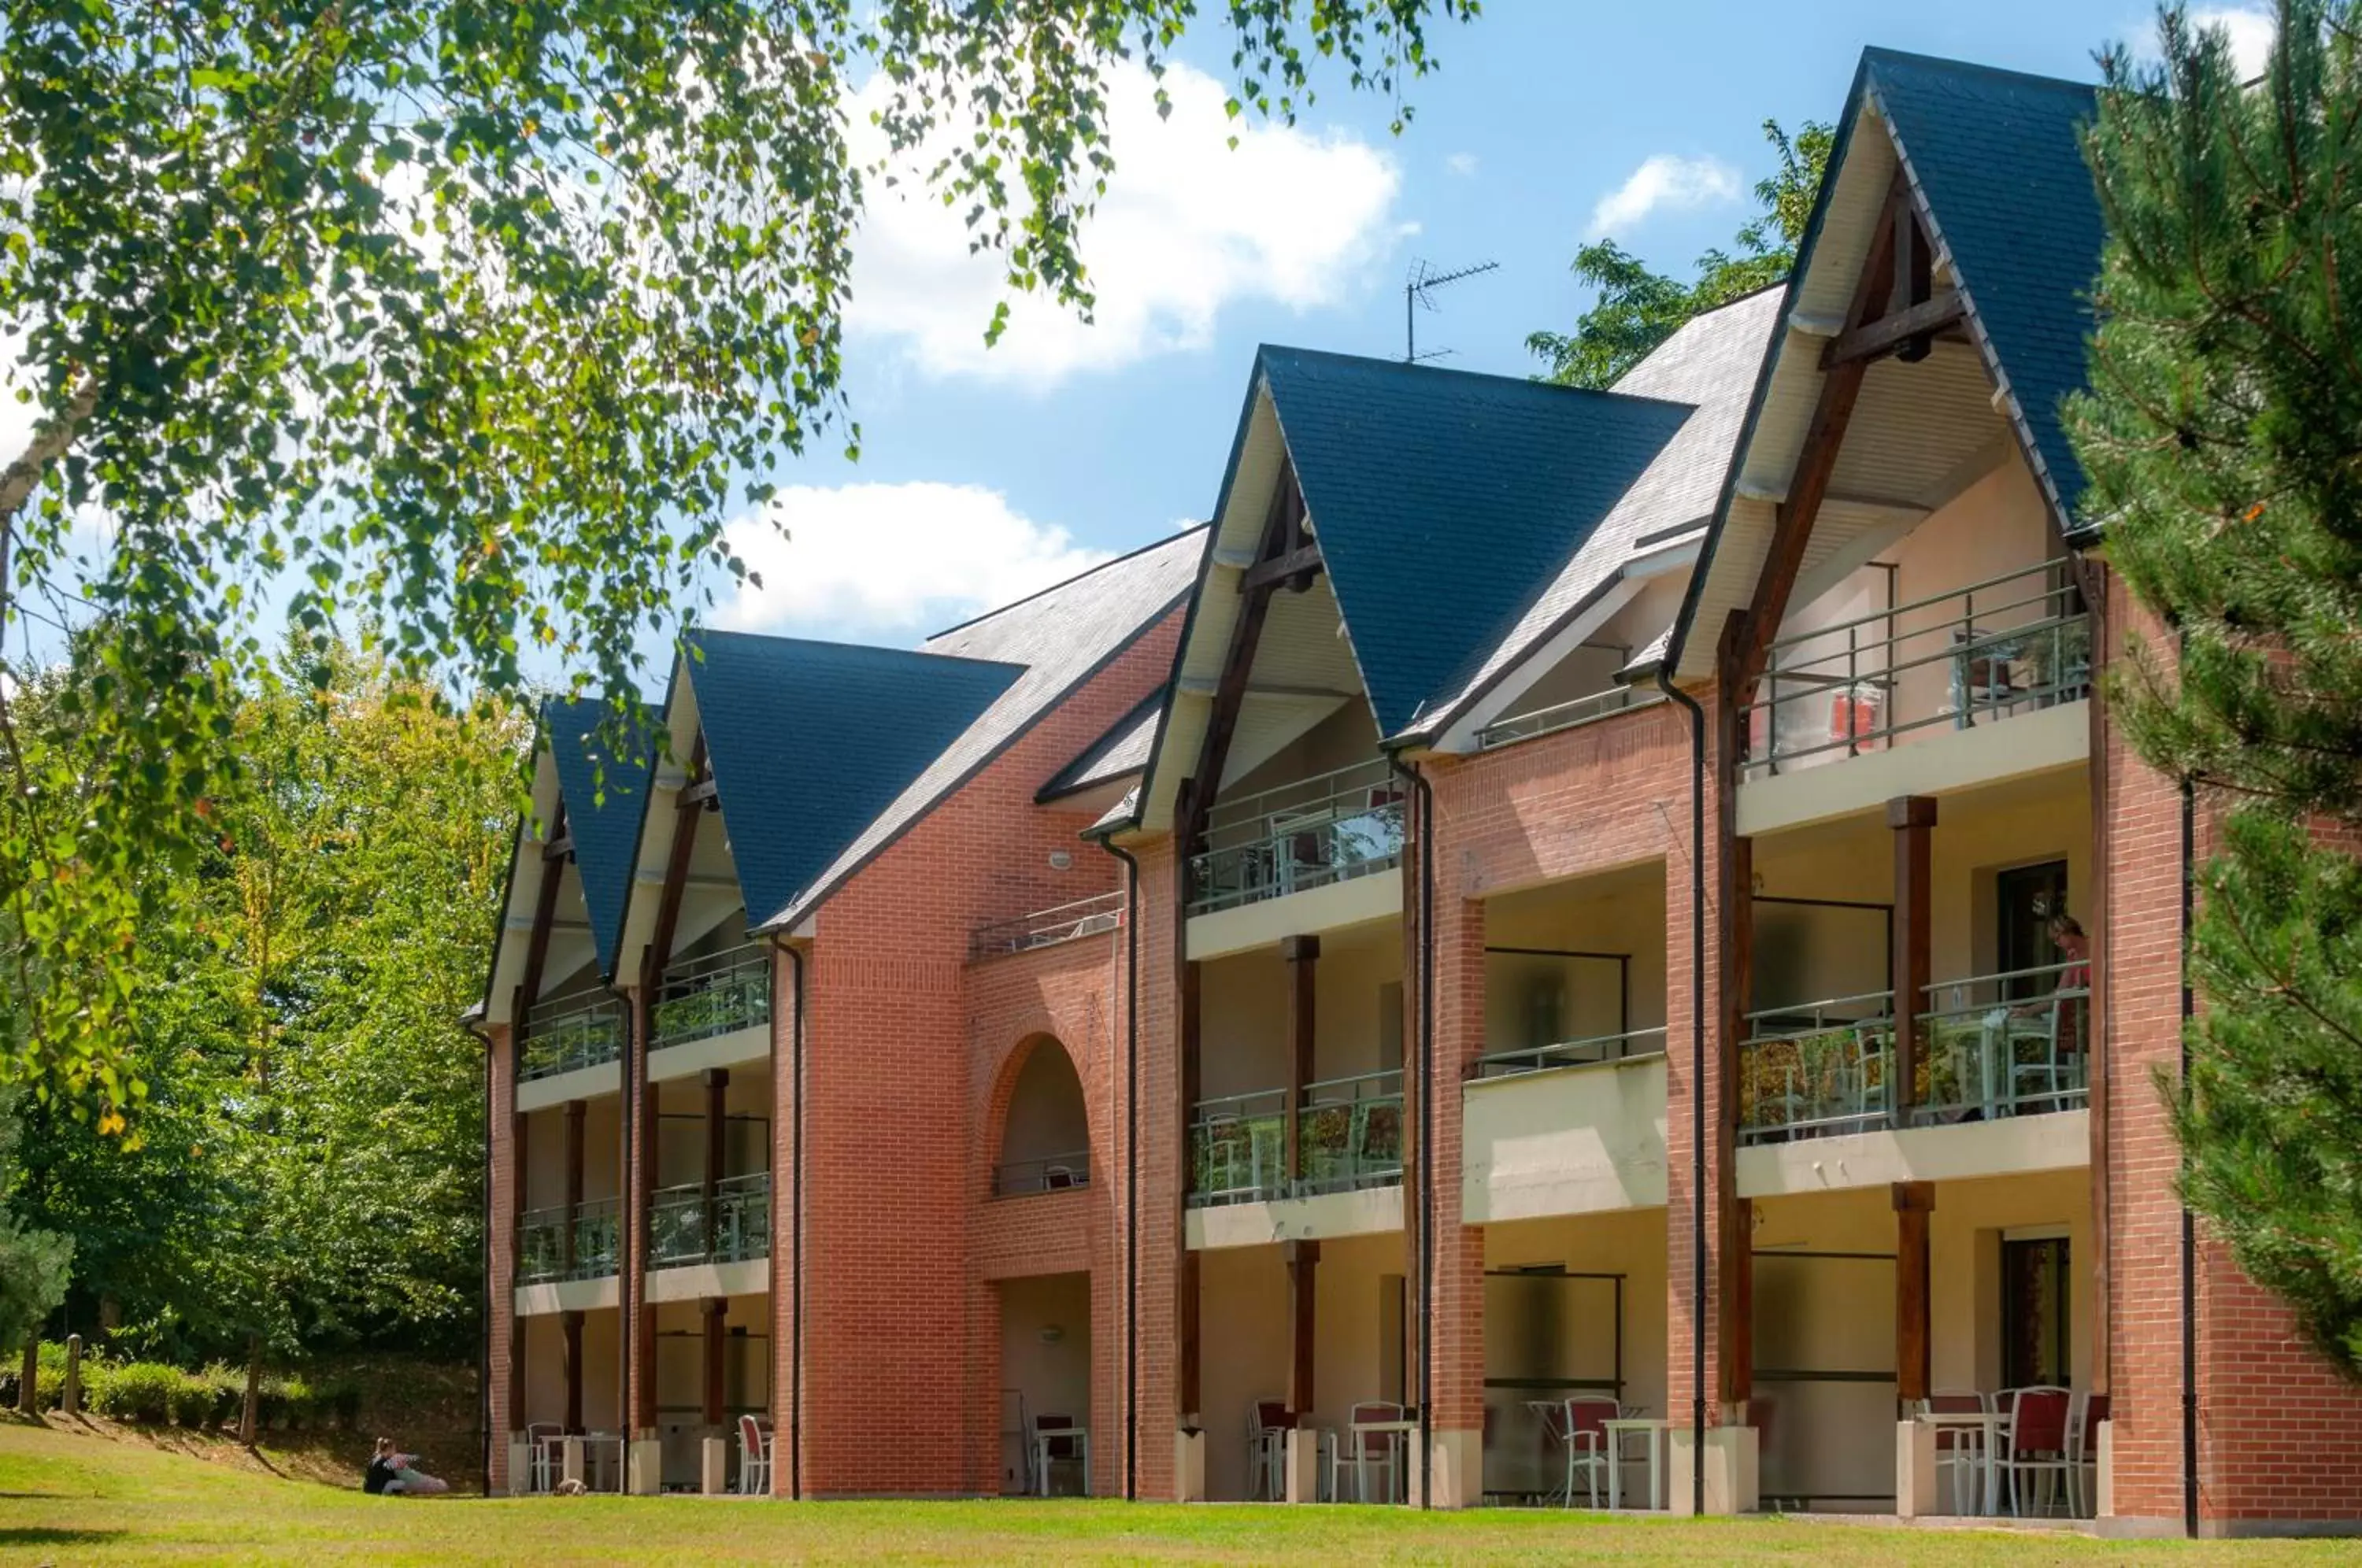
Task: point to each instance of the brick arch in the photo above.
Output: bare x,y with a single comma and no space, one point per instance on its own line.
1034,1034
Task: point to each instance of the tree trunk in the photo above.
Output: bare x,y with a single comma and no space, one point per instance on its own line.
27,1399
250,1420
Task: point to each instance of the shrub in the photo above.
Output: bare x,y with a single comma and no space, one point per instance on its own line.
193,1400
224,1392
142,1392
340,1401
296,1409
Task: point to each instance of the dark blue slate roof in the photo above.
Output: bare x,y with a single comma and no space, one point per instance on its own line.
810,741
1999,159
1444,500
603,805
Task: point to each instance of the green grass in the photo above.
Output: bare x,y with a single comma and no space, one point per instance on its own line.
71,1499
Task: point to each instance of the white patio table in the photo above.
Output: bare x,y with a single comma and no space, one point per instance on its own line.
1652,1428
1988,1426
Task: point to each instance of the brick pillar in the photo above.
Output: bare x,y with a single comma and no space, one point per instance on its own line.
1456,1288
505,1185
1162,1165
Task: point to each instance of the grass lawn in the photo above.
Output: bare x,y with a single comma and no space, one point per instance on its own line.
67,1497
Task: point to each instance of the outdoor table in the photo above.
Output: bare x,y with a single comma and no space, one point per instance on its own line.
1362,1429
1653,1428
1989,1425
1043,1438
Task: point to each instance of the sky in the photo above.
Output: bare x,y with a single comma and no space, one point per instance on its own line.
988,473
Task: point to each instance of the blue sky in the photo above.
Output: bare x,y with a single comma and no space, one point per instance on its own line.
985,475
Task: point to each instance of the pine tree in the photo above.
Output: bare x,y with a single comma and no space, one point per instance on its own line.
2223,442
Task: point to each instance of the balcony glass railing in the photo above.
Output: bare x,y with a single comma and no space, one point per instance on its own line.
1816,1071
2007,1044
1049,1173
541,1242
1047,928
716,994
2007,645
1572,1054
1297,836
570,1033
1349,1136
685,1229
1564,715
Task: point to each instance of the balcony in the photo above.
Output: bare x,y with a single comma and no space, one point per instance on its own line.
569,1034
1572,1053
686,1228
1349,1138
717,994
1560,716
1294,837
1050,1173
2012,644
1992,1047
596,1230
1048,928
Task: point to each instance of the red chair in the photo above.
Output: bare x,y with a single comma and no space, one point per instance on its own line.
2034,1441
1268,1424
1587,1448
754,1456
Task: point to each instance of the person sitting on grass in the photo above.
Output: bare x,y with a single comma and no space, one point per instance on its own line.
394,1475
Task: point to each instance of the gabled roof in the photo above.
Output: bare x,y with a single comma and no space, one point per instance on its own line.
810,741
603,805
1123,750
1055,641
1444,499
1999,156
1711,363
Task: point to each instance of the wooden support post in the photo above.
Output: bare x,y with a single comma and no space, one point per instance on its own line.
717,1112
1735,1350
717,1317
1913,818
1738,1333
1303,1260
570,1326
577,1112
1914,1201
71,1403
1301,953
641,1311
1186,1276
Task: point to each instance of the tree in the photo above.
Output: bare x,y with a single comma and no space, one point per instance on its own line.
2222,438
33,1264
483,318
1637,309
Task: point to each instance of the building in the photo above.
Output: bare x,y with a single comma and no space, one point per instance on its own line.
1594,900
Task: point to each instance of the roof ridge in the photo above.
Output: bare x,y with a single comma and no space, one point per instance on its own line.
877,650
1132,553
1874,52
1551,389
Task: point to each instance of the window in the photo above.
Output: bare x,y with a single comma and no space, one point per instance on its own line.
2027,898
2035,1313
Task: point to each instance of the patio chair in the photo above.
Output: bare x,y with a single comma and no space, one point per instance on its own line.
1068,1448
2083,1454
1365,1451
753,1457
1588,1451
2034,1443
1960,1451
544,1455
1268,1421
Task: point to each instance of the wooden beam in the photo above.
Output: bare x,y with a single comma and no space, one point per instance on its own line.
1738,1337
570,1326
1238,661
1914,1201
1913,818
1186,1276
537,949
696,794
716,1310
1301,953
1904,333
684,845
1303,1259
560,847
575,1112
1735,1340
1303,563
717,1101
640,1313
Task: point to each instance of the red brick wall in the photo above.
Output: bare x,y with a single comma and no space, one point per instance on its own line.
1162,1177
786,1443
2279,1434
503,1184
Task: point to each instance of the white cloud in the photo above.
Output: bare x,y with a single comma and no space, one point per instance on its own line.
1664,182
890,562
1188,226
1463,164
2251,36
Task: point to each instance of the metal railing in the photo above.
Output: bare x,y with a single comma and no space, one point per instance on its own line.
569,1033
1330,828
1560,716
1050,1173
2011,643
1816,1071
684,1228
2015,1044
712,995
1572,1053
1047,928
1349,1136
541,1241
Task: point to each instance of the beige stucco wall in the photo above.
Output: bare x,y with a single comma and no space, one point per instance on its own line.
1045,1354
1357,1017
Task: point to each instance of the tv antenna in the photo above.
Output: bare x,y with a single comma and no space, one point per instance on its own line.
1423,280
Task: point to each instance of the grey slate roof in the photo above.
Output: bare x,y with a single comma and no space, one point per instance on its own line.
1711,363
1060,637
603,812
1998,157
1444,499
810,741
1123,750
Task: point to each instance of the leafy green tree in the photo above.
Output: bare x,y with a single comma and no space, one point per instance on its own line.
482,317
33,1264
1638,308
2222,441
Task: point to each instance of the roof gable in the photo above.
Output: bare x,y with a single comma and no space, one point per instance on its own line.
1120,751
602,806
809,741
1444,500
1999,159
